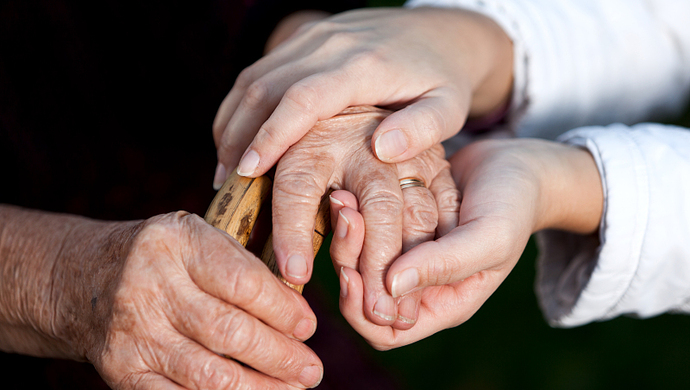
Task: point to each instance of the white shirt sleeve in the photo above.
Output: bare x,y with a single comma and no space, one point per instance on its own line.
596,62
591,62
642,265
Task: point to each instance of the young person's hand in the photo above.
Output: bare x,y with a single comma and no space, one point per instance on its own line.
510,189
441,65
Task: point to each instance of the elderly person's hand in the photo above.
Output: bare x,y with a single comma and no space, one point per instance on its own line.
152,304
510,189
440,64
336,154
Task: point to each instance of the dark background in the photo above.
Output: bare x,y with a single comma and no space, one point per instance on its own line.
106,110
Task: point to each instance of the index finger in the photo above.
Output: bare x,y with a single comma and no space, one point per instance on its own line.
300,181
316,97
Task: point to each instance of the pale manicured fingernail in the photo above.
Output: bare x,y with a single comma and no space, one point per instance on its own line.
342,226
248,163
405,281
344,282
305,329
336,201
390,144
385,308
407,310
219,178
311,376
296,266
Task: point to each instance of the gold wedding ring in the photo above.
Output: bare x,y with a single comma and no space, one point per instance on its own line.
409,182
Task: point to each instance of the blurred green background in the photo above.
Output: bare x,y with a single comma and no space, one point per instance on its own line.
508,345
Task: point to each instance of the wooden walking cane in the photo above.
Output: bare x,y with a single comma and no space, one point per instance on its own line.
236,207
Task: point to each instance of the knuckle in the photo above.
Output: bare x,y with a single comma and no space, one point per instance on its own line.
256,94
216,375
379,200
297,184
244,286
448,200
304,28
420,217
341,39
296,196
303,97
325,26
238,333
245,78
367,60
163,229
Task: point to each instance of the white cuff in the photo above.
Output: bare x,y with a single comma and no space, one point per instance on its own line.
641,266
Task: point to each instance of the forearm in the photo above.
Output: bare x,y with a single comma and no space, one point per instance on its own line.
639,262
571,193
51,272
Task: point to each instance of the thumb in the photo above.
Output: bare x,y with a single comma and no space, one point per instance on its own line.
436,116
463,252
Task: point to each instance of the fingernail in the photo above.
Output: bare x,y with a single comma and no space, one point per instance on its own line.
248,163
405,281
344,282
385,308
342,226
407,310
311,376
336,201
296,266
390,144
219,178
305,329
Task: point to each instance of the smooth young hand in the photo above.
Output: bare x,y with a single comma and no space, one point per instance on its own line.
441,65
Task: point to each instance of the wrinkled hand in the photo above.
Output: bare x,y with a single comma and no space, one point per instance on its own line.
187,293
510,189
440,64
336,154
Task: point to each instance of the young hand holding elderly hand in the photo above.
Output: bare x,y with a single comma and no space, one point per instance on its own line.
509,190
440,64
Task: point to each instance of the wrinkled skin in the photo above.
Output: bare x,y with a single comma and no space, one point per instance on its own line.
187,292
336,153
510,189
